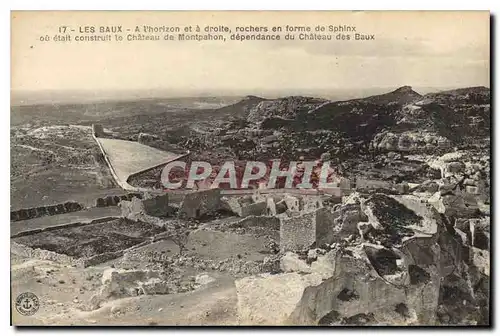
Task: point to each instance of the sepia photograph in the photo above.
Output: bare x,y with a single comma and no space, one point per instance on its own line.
250,168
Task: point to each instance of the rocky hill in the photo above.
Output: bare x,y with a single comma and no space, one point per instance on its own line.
401,120
402,95
292,107
240,109
471,95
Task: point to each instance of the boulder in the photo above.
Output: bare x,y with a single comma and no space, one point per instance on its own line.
481,260
119,283
154,286
346,219
203,279
457,204
470,182
397,218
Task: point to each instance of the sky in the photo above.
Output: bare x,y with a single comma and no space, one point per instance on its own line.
421,49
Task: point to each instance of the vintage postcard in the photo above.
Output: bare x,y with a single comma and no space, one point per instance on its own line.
250,168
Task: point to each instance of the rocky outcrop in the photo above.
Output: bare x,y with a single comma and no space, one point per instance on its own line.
397,262
409,141
455,205
337,287
395,219
346,220
285,108
119,283
255,306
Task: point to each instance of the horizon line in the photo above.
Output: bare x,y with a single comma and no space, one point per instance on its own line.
246,90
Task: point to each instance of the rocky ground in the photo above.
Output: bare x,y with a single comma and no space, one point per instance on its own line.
394,259
408,244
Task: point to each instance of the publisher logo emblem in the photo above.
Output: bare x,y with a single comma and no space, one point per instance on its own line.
27,304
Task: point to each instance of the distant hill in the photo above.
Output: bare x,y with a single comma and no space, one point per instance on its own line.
239,109
402,95
478,95
452,114
482,90
287,108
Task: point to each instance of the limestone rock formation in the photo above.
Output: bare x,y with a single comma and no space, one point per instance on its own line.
400,265
118,283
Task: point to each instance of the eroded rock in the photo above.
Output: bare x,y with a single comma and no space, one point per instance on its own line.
119,283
